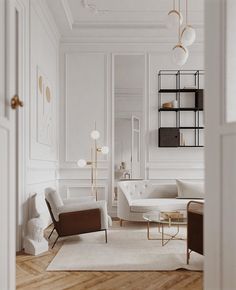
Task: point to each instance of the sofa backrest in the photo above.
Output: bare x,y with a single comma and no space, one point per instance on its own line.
145,189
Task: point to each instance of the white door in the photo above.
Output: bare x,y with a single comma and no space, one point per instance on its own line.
135,148
7,145
220,101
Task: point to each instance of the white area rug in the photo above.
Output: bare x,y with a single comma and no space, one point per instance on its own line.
128,249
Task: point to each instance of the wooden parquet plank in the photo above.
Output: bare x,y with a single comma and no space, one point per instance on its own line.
31,274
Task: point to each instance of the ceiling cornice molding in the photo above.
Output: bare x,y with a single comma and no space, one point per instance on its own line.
97,23
138,44
125,25
124,39
119,25
68,13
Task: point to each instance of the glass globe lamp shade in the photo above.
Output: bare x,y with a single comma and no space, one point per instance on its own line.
174,19
180,54
105,150
95,135
81,163
188,35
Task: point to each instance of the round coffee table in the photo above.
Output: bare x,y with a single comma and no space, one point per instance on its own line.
165,218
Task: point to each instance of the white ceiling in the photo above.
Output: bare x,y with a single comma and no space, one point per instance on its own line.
128,18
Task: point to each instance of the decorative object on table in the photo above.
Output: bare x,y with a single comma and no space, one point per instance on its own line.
34,242
188,34
172,216
95,135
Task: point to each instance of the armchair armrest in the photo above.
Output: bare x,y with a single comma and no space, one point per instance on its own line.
79,222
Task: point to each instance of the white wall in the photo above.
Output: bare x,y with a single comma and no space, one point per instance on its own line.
87,94
41,113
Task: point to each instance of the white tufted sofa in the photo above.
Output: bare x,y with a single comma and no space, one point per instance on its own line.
138,197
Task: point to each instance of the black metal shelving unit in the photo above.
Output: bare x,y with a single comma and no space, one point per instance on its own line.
178,91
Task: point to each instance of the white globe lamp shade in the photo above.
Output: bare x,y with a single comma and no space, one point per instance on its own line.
174,19
188,35
95,135
105,150
180,54
81,163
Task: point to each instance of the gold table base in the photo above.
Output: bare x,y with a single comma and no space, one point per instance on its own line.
163,239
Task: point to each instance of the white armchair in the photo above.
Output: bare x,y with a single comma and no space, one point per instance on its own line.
73,217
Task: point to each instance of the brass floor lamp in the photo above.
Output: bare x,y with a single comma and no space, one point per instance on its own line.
95,149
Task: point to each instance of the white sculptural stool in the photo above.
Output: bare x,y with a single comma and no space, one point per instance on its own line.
34,242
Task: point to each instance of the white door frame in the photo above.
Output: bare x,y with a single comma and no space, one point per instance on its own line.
21,215
132,144
7,126
219,232
145,116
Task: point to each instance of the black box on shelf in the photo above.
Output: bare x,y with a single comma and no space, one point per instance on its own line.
199,99
169,137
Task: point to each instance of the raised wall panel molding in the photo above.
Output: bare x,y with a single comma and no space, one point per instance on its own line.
66,149
42,29
71,173
119,25
148,42
39,175
79,190
176,165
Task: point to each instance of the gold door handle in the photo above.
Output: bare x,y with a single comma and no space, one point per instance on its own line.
16,102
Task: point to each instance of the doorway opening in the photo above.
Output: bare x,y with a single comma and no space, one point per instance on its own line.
128,118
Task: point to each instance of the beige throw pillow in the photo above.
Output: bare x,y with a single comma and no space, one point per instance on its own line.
190,190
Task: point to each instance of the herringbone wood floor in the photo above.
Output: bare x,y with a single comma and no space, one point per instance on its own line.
31,274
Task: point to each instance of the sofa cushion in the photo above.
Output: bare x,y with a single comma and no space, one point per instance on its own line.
159,204
187,189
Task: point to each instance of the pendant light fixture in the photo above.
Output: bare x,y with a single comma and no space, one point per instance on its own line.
174,17
179,52
188,34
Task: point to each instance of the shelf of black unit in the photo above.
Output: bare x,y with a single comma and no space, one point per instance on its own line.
183,146
178,90
186,128
179,109
191,146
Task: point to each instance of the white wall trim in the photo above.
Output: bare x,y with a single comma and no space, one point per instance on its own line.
67,13
66,54
43,11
